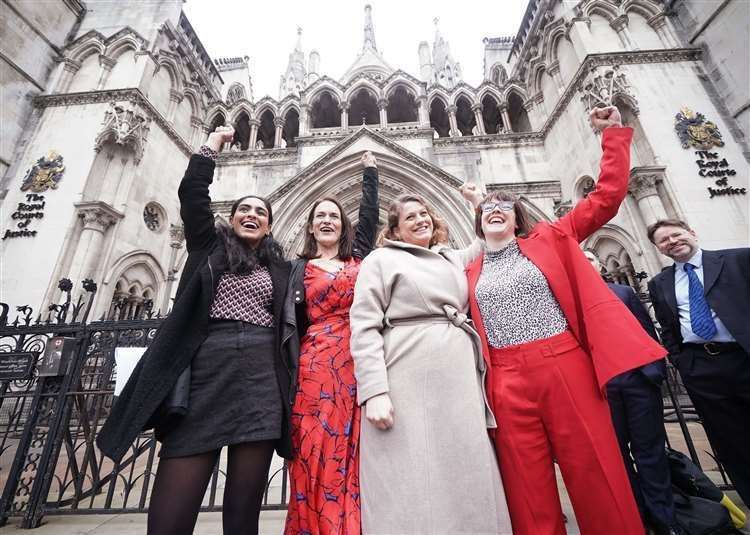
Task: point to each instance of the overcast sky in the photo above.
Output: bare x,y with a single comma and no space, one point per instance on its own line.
266,31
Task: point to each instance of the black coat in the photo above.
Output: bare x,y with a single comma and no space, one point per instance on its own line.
726,285
186,327
364,242
655,371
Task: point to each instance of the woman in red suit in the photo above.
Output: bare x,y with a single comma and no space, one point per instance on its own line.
553,335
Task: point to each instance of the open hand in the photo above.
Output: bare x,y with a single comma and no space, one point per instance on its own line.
379,411
602,118
217,138
472,193
368,160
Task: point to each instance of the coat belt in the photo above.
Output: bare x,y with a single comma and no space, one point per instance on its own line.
451,315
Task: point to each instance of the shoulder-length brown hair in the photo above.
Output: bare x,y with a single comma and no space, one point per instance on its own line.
523,221
310,248
439,228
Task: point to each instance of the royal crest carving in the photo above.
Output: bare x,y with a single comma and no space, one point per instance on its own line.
45,174
695,131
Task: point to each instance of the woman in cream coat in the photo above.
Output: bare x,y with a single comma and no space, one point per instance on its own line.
426,462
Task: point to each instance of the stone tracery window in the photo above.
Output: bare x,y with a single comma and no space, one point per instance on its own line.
154,217
519,119
236,92
291,128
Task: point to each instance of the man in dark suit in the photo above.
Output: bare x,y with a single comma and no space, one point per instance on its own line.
637,408
702,303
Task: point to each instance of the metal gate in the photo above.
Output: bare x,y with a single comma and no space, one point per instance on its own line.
49,463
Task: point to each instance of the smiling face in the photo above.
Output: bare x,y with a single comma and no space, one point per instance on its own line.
415,225
326,224
498,219
677,243
250,221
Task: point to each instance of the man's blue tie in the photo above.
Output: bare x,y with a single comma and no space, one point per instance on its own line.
700,314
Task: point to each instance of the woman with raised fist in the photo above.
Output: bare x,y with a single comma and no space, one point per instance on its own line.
227,327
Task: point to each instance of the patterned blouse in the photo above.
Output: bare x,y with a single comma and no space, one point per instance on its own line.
246,298
515,300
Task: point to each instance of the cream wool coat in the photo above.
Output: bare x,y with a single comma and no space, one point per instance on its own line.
434,471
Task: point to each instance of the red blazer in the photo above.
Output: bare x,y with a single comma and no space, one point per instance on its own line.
604,327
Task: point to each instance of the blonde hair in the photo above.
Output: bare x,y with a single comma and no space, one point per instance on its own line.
439,228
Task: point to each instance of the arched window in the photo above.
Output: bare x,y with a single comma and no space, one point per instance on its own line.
242,132
402,106
235,93
491,116
325,112
266,131
217,121
439,118
291,128
363,108
519,119
465,117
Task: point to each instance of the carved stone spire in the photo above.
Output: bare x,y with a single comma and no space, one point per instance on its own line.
447,72
369,30
293,81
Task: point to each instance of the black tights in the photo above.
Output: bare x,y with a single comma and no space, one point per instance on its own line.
181,483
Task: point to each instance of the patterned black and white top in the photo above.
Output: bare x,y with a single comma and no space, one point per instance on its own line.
246,298
515,300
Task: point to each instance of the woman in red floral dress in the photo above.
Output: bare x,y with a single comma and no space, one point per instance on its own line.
324,475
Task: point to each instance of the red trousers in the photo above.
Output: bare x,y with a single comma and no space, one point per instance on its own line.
548,407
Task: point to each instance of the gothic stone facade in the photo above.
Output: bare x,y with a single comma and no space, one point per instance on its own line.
125,96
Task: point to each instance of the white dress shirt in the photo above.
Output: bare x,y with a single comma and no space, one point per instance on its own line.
682,294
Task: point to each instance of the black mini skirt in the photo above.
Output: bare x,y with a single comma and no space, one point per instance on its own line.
234,392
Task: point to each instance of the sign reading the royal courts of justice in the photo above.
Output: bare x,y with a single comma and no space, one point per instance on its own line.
45,174
696,132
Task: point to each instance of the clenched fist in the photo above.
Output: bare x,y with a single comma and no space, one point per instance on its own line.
602,118
472,193
368,160
217,138
379,411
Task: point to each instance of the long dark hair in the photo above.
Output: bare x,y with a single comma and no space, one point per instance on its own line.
523,221
310,248
241,258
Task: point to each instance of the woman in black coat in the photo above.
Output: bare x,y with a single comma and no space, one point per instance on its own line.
228,325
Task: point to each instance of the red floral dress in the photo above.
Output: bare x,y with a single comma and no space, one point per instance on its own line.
324,476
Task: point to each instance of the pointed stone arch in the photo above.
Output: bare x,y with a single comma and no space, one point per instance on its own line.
321,86
123,41
339,173
645,8
89,43
174,70
366,84
138,270
602,8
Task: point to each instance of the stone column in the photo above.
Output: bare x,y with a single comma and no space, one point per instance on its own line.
197,124
477,109
620,25
663,31
424,112
642,187
69,70
175,97
254,124
176,240
554,71
106,64
304,114
344,107
580,36
279,123
454,131
382,108
507,127
97,217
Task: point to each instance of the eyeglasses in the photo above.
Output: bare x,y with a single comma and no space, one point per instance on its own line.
503,206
